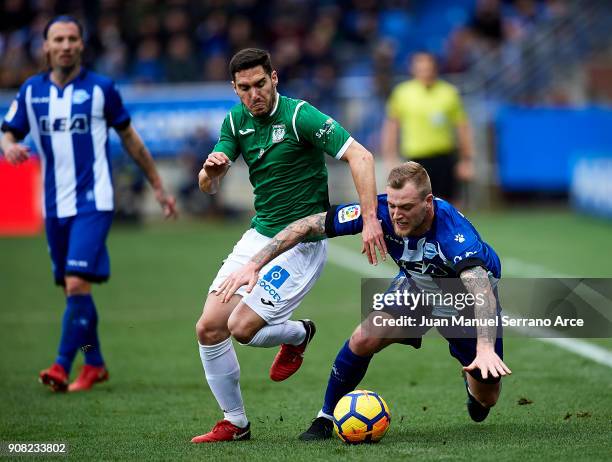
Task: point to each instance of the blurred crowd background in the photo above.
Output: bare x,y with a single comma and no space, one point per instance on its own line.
313,43
345,57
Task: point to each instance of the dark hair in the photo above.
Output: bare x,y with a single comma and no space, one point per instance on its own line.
62,18
413,172
248,59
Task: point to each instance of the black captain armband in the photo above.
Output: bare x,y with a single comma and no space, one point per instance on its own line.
467,263
330,229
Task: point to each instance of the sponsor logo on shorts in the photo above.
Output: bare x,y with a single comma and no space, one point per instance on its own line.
276,276
78,263
267,302
273,280
349,213
268,288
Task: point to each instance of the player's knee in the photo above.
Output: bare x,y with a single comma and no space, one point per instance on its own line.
242,332
209,332
76,286
362,345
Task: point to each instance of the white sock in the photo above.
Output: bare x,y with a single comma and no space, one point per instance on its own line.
222,373
323,414
291,332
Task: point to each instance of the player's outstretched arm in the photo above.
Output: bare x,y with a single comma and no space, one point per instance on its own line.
214,169
135,147
361,163
14,152
476,281
296,232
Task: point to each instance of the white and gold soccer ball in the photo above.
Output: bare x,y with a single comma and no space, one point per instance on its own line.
361,416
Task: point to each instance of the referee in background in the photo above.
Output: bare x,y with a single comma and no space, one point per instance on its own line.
435,130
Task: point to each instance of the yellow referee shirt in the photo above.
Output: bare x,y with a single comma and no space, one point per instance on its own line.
427,117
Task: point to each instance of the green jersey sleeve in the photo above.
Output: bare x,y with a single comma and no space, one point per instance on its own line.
228,143
320,130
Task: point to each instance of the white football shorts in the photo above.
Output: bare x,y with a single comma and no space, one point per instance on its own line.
282,283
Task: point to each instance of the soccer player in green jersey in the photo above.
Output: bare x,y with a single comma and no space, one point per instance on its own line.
283,142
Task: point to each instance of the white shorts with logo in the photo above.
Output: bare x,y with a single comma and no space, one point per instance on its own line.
282,283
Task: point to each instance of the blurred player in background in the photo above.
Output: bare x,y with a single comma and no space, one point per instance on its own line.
67,111
283,142
429,114
429,240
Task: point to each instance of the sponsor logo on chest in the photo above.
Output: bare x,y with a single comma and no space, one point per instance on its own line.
75,124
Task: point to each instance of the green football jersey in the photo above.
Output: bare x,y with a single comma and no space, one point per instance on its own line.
284,151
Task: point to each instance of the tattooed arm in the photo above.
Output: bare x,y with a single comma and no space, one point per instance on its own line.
135,147
296,232
476,281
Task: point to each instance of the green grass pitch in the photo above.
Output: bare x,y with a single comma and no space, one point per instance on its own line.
157,398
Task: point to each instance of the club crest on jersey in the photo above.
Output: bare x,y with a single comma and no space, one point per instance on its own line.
80,96
350,213
430,250
278,133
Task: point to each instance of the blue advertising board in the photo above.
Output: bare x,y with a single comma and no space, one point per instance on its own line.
536,148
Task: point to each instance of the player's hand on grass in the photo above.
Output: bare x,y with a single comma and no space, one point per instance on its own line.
489,364
167,202
17,153
247,275
215,164
373,238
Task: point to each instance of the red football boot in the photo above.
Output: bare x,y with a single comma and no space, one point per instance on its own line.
89,376
224,430
290,357
54,377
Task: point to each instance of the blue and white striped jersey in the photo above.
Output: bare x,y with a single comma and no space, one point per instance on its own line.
69,127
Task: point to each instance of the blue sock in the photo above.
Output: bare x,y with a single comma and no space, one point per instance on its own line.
91,346
78,330
348,370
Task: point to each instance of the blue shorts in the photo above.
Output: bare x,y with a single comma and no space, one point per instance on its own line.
461,340
77,246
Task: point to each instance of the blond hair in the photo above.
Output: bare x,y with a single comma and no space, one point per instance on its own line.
413,172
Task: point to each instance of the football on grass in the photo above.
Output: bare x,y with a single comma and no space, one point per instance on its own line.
361,416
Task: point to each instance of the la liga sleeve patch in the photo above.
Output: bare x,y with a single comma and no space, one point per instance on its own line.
11,112
349,213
